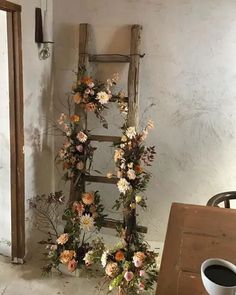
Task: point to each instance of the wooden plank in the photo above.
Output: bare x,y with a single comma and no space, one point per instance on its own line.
133,77
9,6
101,179
191,284
190,234
109,58
112,223
105,138
16,136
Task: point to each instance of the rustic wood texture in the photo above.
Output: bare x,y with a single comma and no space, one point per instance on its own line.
133,95
9,6
109,58
105,138
194,234
101,179
84,31
16,133
112,223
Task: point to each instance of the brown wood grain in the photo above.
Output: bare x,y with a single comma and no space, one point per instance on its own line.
109,58
16,130
194,234
101,179
9,6
105,138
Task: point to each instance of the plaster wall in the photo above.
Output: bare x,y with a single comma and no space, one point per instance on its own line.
188,73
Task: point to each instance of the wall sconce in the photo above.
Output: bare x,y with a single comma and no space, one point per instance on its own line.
43,33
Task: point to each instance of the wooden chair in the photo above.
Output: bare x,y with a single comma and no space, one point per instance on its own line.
222,197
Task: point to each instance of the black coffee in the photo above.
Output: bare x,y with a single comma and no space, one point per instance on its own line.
221,275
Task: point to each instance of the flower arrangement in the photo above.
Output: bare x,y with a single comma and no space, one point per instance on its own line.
72,248
130,269
93,95
131,156
76,149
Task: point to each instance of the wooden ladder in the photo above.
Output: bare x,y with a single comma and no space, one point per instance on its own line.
133,101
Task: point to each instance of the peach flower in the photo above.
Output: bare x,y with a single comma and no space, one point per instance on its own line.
90,107
78,207
63,239
112,269
88,198
77,98
66,256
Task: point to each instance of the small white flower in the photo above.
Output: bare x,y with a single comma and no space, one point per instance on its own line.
87,222
130,165
122,146
131,132
123,185
103,97
122,166
123,138
138,199
109,175
131,174
88,258
82,137
104,258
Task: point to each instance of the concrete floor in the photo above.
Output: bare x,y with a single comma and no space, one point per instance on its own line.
26,279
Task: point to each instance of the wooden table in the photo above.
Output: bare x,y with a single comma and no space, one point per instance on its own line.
194,234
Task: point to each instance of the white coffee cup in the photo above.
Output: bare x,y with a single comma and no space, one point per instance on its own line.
211,287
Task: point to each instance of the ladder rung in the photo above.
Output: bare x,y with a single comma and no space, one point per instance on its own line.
116,98
112,223
109,58
104,138
101,179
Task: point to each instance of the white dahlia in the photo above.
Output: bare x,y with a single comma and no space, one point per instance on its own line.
123,185
103,97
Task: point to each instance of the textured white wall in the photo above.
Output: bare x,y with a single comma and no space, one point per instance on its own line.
39,159
189,72
5,187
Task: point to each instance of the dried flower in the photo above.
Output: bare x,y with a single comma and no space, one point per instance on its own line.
66,256
109,175
63,239
62,119
131,174
77,98
119,256
118,154
104,258
80,165
112,269
141,286
129,276
88,198
123,185
72,265
138,199
103,97
138,259
78,207
74,118
131,132
80,148
90,107
82,137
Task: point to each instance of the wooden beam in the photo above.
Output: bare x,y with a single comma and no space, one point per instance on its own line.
109,58
133,78
9,6
101,179
112,223
105,138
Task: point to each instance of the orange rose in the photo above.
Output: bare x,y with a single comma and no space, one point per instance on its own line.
77,98
88,198
66,256
119,256
74,118
87,80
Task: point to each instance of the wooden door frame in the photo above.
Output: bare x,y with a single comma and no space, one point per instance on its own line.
16,129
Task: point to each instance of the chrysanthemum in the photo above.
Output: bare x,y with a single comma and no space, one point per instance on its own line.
87,222
82,137
103,97
123,185
131,132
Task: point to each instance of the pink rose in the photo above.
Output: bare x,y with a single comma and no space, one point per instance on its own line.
141,286
72,265
142,273
80,148
129,276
